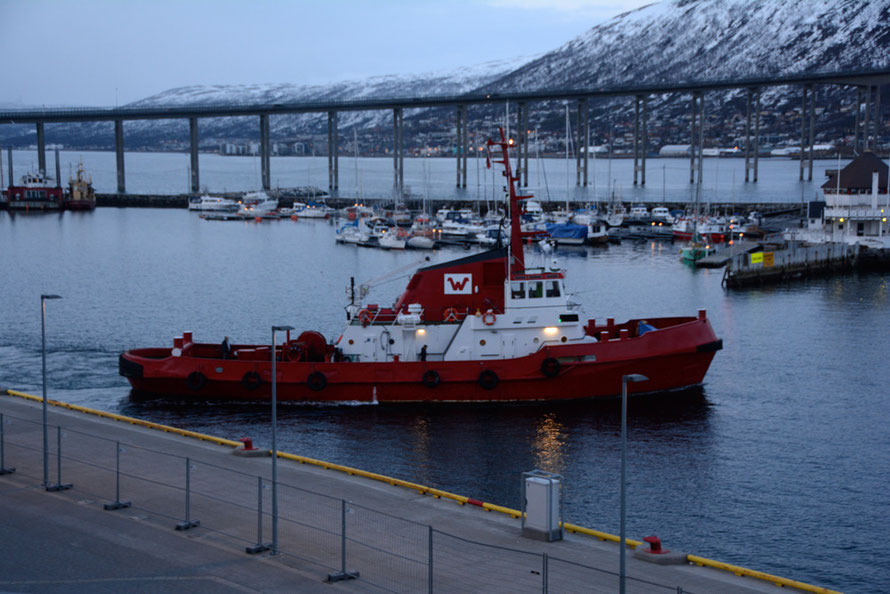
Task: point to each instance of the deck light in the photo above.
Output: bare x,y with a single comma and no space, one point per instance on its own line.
551,330
421,332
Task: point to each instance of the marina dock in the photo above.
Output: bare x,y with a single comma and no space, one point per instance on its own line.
788,260
139,505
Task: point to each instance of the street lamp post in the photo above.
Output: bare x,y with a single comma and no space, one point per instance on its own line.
43,299
625,379
275,441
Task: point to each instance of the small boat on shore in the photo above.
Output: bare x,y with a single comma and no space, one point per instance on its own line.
483,328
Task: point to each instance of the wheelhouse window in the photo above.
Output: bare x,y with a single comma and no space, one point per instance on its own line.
553,288
517,290
536,289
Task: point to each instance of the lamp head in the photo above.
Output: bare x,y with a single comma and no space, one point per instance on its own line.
634,378
281,328
45,297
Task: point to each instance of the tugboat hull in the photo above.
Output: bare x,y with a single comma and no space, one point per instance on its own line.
677,356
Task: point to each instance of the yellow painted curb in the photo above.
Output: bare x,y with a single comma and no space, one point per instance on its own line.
741,571
130,420
424,490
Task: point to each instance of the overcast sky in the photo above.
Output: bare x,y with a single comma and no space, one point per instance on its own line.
111,52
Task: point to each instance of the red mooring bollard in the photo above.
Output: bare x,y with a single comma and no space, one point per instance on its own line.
248,443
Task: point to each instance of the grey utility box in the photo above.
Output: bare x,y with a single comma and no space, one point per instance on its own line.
542,505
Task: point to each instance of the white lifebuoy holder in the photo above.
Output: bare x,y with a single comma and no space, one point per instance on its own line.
489,318
364,316
451,314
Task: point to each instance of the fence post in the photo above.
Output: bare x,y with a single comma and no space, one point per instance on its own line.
544,569
59,486
259,547
189,523
342,574
117,503
3,469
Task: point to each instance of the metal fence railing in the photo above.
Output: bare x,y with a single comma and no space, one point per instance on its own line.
343,539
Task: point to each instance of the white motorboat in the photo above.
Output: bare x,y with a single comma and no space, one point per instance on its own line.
420,242
257,204
317,210
392,239
207,203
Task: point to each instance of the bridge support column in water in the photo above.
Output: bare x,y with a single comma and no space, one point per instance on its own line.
333,143
581,133
807,113
41,150
698,112
119,152
461,146
640,134
194,180
398,159
265,149
522,143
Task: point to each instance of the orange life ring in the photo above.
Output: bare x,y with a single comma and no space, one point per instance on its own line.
488,318
451,315
364,316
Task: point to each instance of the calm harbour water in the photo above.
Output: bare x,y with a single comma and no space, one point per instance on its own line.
780,463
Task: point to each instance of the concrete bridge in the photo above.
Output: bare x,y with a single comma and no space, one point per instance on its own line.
867,83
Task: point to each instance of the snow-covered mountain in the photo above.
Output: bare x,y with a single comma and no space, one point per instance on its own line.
667,41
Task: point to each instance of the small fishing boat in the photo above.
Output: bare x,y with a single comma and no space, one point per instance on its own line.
34,192
80,194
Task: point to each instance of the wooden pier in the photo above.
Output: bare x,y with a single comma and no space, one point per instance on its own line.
790,260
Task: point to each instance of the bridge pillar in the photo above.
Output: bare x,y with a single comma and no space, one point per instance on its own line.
645,138
866,129
119,152
264,151
756,130
460,146
520,145
333,151
877,116
524,135
9,157
748,136
398,160
856,120
41,148
812,118
636,137
696,99
803,128
465,149
193,142
581,144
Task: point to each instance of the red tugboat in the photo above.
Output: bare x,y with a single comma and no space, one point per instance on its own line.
478,329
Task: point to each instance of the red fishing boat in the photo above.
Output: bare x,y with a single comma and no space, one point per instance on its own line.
35,192
484,328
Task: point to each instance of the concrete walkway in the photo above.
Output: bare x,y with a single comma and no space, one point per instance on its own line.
66,540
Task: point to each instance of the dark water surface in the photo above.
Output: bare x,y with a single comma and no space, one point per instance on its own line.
779,463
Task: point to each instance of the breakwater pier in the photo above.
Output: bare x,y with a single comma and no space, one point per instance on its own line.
157,507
